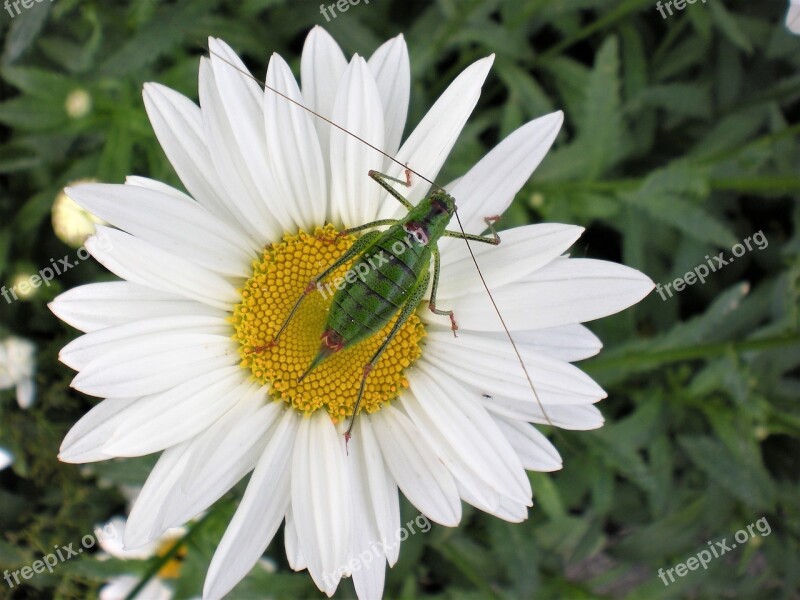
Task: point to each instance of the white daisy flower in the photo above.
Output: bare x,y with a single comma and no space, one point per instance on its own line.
17,369
119,588
211,276
793,16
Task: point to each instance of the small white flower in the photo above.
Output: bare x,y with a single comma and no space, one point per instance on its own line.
119,587
209,278
6,459
110,538
793,16
17,369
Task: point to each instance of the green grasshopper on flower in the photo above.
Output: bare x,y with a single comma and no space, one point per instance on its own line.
394,268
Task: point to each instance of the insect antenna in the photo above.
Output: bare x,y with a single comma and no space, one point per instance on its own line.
407,170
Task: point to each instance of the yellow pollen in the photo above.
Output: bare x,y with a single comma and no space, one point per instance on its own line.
171,568
279,278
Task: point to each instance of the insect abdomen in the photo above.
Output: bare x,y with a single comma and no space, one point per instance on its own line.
392,267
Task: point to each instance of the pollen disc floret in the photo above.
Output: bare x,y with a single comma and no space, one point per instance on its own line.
279,278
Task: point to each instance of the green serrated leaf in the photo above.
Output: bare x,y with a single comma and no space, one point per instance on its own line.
38,82
742,476
684,99
600,133
24,30
729,27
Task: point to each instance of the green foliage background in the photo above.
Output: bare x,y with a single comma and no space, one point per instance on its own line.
680,140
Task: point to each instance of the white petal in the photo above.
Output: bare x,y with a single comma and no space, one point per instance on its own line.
144,520
121,586
357,108
99,305
534,449
178,124
492,366
155,363
159,421
384,496
26,393
425,481
793,18
220,125
566,342
463,434
392,70
563,292
160,187
259,514
578,417
427,147
293,554
6,459
295,155
165,499
85,441
88,439
522,251
185,229
112,544
220,456
489,187
242,100
140,262
366,560
321,67
497,508
320,495
79,352
511,511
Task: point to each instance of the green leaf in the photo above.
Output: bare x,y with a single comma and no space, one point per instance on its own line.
38,82
729,27
17,158
25,28
160,35
742,476
688,100
600,128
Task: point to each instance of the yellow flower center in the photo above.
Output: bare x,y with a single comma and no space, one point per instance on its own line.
279,279
172,568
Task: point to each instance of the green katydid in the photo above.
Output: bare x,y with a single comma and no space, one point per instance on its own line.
400,282
396,272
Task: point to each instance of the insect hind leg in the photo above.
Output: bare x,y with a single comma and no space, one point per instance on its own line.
359,246
435,288
408,309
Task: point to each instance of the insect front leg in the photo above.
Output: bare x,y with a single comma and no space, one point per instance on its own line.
383,180
408,309
379,223
435,287
494,239
360,245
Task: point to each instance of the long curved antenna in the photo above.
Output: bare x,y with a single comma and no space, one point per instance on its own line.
433,183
